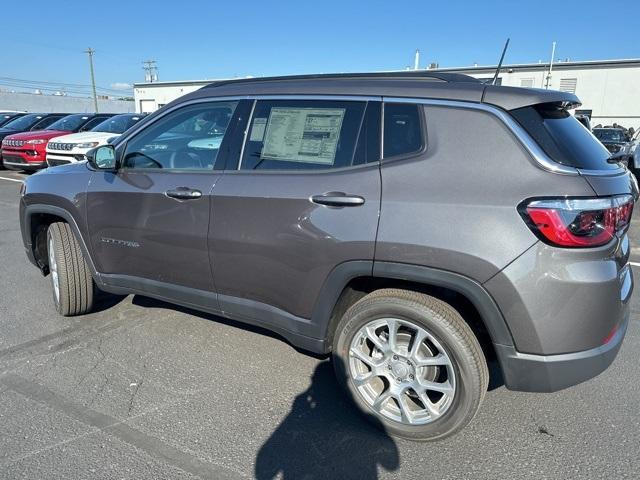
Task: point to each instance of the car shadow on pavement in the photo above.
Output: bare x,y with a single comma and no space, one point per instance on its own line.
323,437
149,302
106,301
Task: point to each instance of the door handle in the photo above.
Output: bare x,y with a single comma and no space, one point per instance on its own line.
338,199
183,193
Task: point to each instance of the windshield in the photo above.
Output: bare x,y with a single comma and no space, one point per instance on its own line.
69,123
117,124
23,123
609,135
5,117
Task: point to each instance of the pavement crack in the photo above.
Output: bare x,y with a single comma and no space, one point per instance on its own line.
99,361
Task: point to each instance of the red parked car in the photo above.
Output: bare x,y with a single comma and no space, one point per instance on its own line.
27,150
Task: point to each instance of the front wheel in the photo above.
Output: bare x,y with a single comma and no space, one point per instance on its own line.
410,363
71,280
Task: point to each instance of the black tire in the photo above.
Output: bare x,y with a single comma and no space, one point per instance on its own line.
446,325
76,285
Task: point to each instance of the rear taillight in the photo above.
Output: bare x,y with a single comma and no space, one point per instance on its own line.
578,222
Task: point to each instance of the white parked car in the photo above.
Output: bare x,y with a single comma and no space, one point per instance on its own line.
73,147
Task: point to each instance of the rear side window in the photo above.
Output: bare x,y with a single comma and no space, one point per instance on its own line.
563,138
302,135
402,129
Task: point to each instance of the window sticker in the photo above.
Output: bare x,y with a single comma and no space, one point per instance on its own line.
303,134
257,130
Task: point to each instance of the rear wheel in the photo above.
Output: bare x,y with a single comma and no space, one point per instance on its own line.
410,363
71,281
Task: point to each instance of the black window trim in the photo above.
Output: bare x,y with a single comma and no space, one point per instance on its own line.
538,157
423,132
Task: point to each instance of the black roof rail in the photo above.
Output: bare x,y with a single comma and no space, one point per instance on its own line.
408,74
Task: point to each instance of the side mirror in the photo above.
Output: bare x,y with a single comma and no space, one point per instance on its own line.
103,157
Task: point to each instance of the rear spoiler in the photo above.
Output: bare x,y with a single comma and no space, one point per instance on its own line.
511,98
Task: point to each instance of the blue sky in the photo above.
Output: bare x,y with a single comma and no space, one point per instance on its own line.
209,39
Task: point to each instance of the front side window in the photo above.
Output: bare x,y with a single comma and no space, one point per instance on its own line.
186,139
402,129
302,135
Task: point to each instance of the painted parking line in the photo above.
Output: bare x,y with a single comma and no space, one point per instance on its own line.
11,179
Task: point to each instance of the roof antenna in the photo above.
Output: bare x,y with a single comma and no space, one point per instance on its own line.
504,51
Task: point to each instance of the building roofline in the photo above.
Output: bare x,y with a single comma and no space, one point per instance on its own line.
179,82
556,65
424,73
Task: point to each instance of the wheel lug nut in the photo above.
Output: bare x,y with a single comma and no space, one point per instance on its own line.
411,376
395,357
389,367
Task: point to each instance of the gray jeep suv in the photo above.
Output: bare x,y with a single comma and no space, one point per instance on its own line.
412,225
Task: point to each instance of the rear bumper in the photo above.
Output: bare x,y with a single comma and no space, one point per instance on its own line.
549,373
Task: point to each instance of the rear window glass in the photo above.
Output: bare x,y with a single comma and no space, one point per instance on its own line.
564,138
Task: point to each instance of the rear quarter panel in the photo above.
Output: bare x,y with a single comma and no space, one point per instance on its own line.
454,206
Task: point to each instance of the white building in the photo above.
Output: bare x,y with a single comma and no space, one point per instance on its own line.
609,89
151,96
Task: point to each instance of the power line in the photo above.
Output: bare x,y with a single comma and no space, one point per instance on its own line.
60,85
46,89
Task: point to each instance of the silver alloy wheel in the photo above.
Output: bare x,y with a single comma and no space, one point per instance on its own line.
53,269
402,371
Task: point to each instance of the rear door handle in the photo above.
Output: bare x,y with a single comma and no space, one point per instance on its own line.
338,199
183,193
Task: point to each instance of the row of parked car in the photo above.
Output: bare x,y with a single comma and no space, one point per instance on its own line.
31,141
621,145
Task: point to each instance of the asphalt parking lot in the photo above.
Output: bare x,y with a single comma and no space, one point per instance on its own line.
142,389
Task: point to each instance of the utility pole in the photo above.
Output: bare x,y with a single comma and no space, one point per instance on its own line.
90,51
151,71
